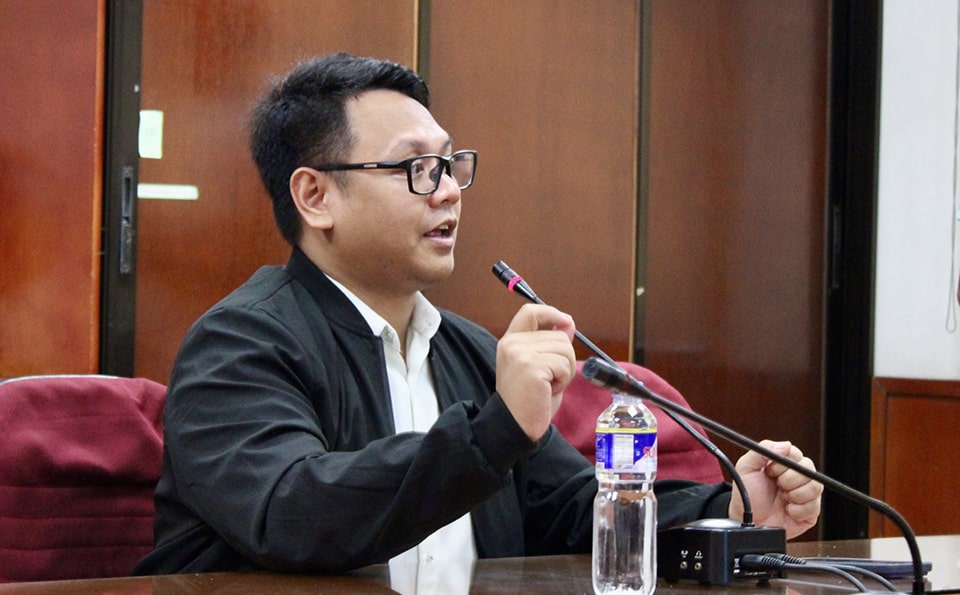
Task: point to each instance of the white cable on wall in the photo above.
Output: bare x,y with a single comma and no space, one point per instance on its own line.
954,290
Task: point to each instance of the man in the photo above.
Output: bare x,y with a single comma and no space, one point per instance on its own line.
325,416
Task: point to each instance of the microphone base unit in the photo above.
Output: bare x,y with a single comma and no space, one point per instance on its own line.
709,551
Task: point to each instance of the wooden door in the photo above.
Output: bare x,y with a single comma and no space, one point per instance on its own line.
204,64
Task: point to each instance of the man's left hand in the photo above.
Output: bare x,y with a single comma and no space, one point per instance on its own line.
779,496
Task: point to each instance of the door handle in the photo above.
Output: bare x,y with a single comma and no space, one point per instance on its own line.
127,224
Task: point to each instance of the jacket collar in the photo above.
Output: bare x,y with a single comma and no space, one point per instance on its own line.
327,295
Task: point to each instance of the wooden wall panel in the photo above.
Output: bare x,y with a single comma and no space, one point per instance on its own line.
204,64
51,122
547,93
913,463
736,199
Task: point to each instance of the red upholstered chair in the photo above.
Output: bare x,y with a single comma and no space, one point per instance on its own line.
79,459
680,456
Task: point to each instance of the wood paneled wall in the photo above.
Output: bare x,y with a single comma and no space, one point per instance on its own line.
548,92
51,122
913,441
549,95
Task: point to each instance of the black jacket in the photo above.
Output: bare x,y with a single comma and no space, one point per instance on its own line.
280,452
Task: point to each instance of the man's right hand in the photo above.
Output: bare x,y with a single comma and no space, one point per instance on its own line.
535,362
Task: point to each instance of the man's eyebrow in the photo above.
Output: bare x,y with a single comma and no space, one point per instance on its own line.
418,147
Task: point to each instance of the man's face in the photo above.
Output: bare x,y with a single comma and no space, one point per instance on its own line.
386,238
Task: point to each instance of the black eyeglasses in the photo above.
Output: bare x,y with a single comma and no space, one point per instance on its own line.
423,171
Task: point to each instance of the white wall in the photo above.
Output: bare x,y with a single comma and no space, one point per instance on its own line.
916,289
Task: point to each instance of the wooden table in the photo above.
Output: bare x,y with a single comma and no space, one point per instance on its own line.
549,574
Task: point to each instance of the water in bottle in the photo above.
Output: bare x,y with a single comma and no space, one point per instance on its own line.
625,509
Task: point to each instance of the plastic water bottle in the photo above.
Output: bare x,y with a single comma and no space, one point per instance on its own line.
625,509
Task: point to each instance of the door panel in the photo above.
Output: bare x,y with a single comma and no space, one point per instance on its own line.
51,127
204,64
736,198
547,92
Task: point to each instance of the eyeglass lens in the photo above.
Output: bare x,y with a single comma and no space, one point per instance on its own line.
425,173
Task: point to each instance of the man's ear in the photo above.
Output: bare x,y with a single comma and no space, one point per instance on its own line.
310,190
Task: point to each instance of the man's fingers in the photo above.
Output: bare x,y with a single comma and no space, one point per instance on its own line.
807,512
788,478
754,461
799,489
536,317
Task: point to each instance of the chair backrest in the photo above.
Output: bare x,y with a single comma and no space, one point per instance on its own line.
80,457
679,455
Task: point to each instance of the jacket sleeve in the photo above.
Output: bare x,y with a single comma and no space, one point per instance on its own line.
254,460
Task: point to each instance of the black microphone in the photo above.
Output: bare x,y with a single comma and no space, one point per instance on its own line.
609,376
723,541
516,284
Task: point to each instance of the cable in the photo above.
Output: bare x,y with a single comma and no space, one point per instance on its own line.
848,567
769,562
951,322
867,573
812,564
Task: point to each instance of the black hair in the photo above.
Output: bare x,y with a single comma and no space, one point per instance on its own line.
302,120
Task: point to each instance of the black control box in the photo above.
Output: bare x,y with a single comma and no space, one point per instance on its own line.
709,551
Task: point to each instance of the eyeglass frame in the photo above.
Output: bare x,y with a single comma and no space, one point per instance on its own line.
404,164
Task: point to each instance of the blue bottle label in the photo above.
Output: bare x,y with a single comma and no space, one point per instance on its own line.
621,449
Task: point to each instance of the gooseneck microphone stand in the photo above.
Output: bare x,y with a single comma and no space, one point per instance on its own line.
603,374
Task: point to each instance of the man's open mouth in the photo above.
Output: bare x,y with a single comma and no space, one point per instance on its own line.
443,231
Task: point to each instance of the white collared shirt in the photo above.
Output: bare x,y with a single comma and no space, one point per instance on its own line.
415,409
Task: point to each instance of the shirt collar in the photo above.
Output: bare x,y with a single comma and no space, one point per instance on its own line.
425,321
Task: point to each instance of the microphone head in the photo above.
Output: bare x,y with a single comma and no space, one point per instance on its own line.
604,374
514,282
503,272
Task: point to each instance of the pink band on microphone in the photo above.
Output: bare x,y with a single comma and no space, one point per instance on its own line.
513,282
